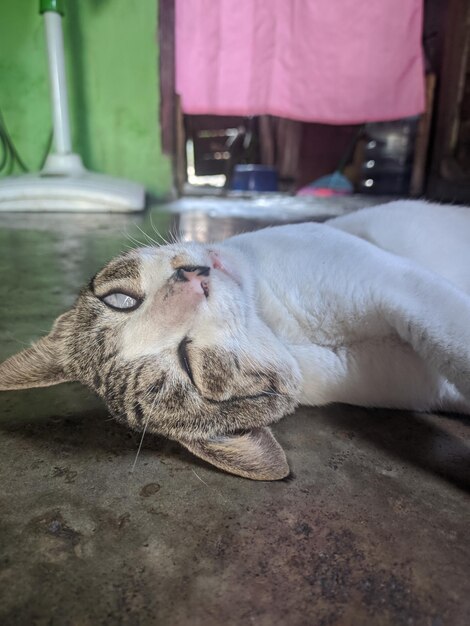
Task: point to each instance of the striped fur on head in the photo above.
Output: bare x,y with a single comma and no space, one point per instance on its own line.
191,359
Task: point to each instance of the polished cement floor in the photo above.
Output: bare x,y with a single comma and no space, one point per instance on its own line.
372,530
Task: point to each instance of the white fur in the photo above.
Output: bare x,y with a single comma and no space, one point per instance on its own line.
374,306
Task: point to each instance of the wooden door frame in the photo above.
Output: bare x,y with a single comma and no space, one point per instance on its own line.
171,116
445,182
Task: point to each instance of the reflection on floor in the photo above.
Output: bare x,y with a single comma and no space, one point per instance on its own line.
373,529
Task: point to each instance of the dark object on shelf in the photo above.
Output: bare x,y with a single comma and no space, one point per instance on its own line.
449,177
219,143
388,157
254,178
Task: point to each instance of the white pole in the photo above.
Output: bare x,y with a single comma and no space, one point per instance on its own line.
58,85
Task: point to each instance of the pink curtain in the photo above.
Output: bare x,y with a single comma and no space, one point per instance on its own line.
331,61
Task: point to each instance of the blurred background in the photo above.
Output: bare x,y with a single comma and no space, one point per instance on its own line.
240,97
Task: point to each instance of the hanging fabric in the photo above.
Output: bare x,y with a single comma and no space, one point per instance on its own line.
330,61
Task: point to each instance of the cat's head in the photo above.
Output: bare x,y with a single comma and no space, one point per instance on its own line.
170,337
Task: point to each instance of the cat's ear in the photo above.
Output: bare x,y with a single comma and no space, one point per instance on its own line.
254,454
41,365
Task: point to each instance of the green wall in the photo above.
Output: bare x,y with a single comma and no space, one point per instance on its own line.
112,70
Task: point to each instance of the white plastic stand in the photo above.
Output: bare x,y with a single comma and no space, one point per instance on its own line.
64,184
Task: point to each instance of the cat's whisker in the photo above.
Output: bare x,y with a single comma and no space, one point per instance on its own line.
129,247
165,241
199,478
135,241
127,235
141,244
152,241
175,235
143,433
168,239
157,232
13,338
208,486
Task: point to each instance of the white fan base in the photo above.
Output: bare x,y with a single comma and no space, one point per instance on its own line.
65,185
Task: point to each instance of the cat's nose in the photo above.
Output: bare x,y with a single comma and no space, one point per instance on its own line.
197,276
187,272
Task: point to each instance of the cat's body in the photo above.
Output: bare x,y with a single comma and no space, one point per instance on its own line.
209,344
324,301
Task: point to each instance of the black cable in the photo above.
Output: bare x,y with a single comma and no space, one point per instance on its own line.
47,150
14,156
5,151
10,153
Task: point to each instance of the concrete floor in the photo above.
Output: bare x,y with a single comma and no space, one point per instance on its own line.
373,529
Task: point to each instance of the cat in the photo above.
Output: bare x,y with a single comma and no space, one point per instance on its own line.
210,344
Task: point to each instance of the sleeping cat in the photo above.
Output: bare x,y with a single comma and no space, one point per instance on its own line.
210,344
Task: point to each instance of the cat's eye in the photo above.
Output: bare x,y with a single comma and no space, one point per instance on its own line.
121,301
